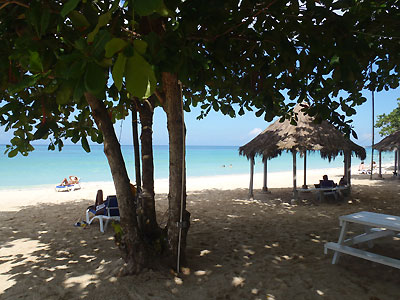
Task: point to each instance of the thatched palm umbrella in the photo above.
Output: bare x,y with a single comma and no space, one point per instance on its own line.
303,137
390,143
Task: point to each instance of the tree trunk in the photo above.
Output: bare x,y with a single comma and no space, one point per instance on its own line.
148,211
173,108
131,244
136,146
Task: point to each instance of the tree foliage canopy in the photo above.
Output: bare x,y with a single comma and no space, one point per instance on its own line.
231,56
389,123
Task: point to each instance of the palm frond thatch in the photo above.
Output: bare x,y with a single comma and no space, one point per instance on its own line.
389,143
305,136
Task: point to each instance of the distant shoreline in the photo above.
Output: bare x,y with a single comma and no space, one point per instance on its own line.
278,179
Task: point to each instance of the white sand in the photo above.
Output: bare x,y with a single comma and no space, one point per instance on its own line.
237,249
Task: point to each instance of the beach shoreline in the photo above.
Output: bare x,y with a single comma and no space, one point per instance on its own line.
15,199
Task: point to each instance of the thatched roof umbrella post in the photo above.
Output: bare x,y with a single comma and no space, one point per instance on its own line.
251,194
390,143
265,187
305,171
303,137
380,165
295,194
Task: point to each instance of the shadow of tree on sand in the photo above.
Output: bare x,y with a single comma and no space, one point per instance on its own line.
237,249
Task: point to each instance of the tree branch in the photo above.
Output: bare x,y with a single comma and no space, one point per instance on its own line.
13,2
245,21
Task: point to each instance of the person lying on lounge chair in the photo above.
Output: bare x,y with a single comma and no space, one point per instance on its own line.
72,180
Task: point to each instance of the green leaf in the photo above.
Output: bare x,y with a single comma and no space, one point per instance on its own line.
27,81
35,63
103,20
78,91
140,78
34,16
145,7
44,21
215,105
41,132
78,20
64,93
68,7
85,144
12,153
140,46
114,45
99,43
94,79
259,113
118,70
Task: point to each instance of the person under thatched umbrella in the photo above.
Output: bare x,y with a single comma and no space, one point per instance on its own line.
305,136
390,143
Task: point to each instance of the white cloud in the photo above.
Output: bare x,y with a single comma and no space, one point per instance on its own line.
255,131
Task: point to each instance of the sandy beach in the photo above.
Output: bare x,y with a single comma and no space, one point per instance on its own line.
237,248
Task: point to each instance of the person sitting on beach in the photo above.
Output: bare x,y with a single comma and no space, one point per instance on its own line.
326,183
343,181
99,202
99,205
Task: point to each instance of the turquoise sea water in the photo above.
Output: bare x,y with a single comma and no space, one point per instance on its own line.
43,167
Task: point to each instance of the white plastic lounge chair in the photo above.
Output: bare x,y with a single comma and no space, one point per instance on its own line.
104,212
69,187
326,190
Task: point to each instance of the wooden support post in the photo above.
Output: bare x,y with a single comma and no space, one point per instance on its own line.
395,163
349,168
251,194
305,171
380,164
398,162
265,187
345,165
294,175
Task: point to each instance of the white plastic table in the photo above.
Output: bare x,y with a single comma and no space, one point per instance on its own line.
375,226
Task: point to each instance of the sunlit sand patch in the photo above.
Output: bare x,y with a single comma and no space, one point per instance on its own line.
249,251
238,281
178,281
62,267
204,252
82,281
89,258
200,273
232,216
73,261
248,264
61,258
186,271
18,252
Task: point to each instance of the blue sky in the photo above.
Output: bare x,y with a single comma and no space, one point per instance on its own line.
217,129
